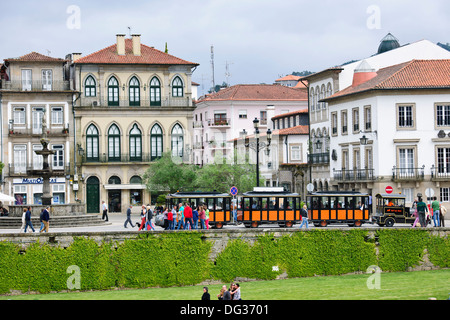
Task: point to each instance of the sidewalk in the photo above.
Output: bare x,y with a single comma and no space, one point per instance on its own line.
115,223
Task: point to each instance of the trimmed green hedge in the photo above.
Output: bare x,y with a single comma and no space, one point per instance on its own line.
177,259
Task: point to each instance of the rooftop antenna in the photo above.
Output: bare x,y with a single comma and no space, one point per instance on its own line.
212,67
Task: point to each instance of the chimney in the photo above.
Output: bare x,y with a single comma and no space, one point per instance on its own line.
136,44
363,73
76,56
270,113
120,44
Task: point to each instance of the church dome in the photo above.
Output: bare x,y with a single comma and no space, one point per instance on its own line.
389,42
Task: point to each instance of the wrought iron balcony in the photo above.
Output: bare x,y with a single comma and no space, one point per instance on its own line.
35,85
354,175
441,172
319,158
408,174
122,158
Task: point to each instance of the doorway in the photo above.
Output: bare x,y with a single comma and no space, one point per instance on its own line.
93,195
115,200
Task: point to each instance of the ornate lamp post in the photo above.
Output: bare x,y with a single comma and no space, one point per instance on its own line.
257,146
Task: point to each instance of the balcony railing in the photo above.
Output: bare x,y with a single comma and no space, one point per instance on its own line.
354,175
122,158
408,174
24,170
440,172
104,103
222,122
20,132
319,158
35,85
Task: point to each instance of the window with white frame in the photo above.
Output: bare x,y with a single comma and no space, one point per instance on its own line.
443,115
243,114
38,160
58,193
20,158
57,115
58,157
409,194
19,115
296,153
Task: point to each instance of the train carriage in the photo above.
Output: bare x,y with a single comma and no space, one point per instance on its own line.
269,205
350,208
218,204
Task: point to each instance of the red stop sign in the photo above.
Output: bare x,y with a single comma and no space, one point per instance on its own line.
389,189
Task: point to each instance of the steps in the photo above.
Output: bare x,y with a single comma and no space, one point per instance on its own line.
55,221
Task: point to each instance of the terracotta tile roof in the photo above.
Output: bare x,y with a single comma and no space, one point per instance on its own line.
258,92
35,56
414,74
289,77
287,114
297,130
148,55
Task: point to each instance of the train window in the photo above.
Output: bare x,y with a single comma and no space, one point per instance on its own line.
273,203
246,203
350,202
289,203
297,203
256,203
211,204
219,203
324,203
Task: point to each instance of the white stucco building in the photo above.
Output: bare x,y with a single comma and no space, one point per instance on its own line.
329,81
391,128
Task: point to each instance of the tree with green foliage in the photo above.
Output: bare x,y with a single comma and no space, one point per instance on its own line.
166,174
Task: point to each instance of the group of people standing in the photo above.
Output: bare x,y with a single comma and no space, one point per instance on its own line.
187,216
232,293
184,215
424,213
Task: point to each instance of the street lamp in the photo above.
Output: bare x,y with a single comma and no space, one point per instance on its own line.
258,146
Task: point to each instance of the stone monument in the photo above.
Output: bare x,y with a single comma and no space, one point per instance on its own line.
46,172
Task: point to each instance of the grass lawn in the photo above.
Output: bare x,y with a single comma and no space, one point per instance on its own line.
418,285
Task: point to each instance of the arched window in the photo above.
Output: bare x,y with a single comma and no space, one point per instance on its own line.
177,141
136,180
114,180
311,98
90,87
113,143
135,144
177,87
156,142
113,92
155,92
92,143
134,91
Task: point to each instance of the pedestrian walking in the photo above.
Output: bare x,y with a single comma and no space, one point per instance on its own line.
226,294
304,214
415,213
105,211
45,219
23,219
170,219
28,220
435,206
149,224
128,220
40,220
422,208
143,218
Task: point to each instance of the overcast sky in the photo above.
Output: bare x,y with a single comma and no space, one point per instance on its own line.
260,39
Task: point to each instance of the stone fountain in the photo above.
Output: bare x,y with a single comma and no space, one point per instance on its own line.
46,172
